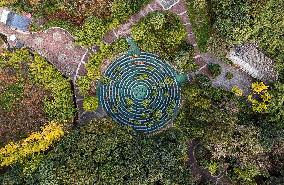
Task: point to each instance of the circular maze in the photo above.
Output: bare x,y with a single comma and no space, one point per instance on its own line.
141,92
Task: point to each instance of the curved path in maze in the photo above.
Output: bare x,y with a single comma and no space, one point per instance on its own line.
141,92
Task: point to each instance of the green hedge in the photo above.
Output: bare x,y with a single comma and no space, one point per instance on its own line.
60,106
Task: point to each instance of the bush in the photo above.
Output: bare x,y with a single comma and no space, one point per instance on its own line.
229,76
203,81
184,61
276,109
237,91
215,69
260,97
12,94
61,106
106,52
84,84
91,32
90,103
121,10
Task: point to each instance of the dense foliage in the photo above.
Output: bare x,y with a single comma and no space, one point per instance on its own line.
183,60
231,132
215,69
160,33
105,153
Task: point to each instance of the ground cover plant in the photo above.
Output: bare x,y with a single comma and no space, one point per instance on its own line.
34,96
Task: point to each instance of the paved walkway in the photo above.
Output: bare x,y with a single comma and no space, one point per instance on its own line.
240,78
56,45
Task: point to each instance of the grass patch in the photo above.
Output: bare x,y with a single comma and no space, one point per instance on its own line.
12,94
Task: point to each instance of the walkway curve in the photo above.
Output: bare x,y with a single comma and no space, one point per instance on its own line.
179,8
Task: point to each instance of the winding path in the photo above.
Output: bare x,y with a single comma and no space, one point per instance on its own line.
179,8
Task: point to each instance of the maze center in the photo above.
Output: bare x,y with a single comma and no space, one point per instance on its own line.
141,92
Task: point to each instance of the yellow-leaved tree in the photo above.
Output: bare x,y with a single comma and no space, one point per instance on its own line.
6,2
34,143
260,97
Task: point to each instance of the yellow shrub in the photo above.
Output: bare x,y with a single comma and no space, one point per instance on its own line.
36,142
237,91
263,97
259,87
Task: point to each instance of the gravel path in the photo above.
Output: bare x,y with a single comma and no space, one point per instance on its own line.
240,78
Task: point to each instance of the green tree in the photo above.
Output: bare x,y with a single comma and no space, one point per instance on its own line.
90,103
159,33
276,107
91,32
102,152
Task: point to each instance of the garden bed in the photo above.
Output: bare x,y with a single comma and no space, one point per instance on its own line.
25,104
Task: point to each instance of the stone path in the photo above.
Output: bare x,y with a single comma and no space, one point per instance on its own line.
240,78
56,45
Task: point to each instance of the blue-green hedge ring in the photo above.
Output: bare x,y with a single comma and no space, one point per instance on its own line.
141,92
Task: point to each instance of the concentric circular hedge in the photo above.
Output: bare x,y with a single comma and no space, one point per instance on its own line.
141,92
